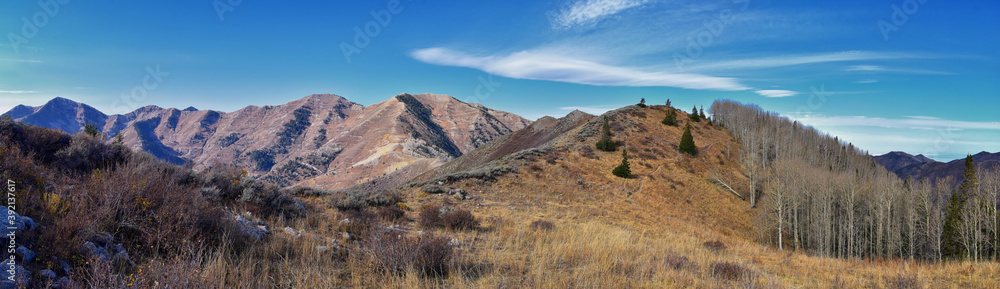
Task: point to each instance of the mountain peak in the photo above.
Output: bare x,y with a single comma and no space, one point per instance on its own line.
60,101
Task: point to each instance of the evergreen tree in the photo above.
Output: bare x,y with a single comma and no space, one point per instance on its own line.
671,117
606,144
623,170
694,114
668,103
701,114
687,142
642,102
90,129
119,140
951,245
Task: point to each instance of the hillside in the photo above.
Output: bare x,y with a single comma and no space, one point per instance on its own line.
320,140
538,208
675,205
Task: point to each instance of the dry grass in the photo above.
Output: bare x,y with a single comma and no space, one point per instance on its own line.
570,224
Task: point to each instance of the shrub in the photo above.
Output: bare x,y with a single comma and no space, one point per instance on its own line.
386,251
432,255
320,138
445,217
729,271
433,189
262,159
459,219
294,128
229,139
542,225
85,153
642,102
676,262
360,223
355,199
284,205
714,246
391,213
905,281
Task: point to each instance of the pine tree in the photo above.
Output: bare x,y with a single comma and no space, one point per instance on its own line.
694,114
671,117
687,142
701,114
951,245
623,170
90,129
668,103
606,144
642,102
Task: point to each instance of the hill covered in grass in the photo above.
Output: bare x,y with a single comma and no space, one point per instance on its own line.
539,208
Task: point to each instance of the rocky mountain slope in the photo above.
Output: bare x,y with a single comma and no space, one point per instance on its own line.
920,167
322,140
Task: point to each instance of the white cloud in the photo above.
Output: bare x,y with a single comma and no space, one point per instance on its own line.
791,60
17,91
866,68
559,67
913,122
895,70
776,93
589,11
924,117
20,60
866,81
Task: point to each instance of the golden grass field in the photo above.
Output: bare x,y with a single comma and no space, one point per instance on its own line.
667,227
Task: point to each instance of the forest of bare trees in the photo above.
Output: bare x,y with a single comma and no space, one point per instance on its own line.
816,193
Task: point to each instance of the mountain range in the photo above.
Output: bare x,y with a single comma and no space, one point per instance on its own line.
920,167
321,140
329,142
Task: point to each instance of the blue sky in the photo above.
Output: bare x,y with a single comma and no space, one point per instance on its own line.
922,77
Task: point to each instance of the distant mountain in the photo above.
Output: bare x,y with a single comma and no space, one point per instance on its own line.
920,167
321,140
59,113
894,161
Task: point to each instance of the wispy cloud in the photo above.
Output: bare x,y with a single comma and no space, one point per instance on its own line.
776,93
866,81
20,60
585,12
792,60
878,68
554,67
913,122
17,91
